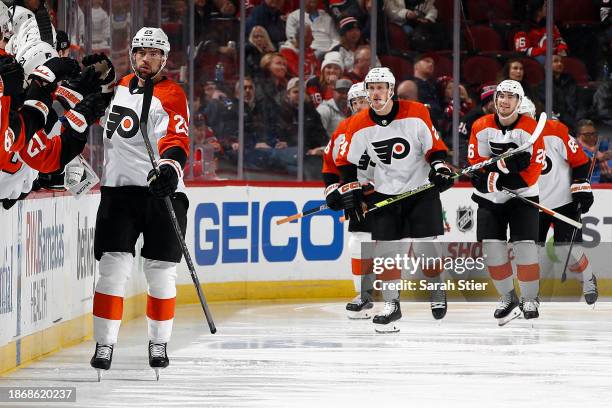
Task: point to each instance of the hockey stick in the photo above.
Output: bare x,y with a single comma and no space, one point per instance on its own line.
144,117
578,208
297,216
546,210
470,169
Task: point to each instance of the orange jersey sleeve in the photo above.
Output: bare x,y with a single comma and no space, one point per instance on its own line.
43,153
574,155
333,147
174,103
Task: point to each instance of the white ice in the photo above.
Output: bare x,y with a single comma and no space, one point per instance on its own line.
306,354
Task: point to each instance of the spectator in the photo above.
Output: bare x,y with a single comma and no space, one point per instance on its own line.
290,50
205,10
208,93
410,14
315,136
486,107
587,137
605,16
63,43
100,27
272,86
564,93
515,70
346,8
602,102
259,44
408,91
268,14
350,36
531,40
333,111
361,64
321,88
428,94
324,33
466,104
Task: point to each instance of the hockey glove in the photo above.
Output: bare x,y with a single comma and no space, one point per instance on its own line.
582,194
11,77
353,201
513,164
333,199
486,182
166,183
57,69
38,98
72,92
103,65
86,112
440,175
52,181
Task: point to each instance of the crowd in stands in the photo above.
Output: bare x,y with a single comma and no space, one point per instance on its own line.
500,39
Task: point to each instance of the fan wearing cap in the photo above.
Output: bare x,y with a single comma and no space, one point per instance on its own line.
131,198
350,37
63,43
406,150
321,87
333,111
492,135
485,107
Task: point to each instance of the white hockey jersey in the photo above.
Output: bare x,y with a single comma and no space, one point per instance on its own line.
399,150
562,154
126,162
488,139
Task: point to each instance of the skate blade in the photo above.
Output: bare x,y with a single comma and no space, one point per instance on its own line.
386,328
516,312
361,315
157,373
99,374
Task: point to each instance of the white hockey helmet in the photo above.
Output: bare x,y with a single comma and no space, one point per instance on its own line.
151,37
509,86
34,56
357,90
380,75
527,107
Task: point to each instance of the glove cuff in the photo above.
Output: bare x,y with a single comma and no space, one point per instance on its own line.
349,187
108,87
439,164
76,121
43,72
39,106
492,179
331,188
580,186
172,163
71,96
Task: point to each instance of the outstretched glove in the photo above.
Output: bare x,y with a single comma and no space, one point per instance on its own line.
57,69
513,164
333,198
441,175
89,110
103,65
352,201
582,194
166,182
72,91
11,76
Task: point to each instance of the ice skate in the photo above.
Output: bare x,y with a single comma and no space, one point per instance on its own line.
530,309
438,303
360,307
589,289
507,309
158,358
385,322
102,358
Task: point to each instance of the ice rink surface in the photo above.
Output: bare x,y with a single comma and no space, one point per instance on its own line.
307,354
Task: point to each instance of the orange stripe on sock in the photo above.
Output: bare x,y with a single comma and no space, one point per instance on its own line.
528,273
390,274
160,309
432,272
107,306
500,272
581,265
361,266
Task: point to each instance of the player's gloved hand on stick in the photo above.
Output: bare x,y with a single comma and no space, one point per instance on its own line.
333,198
70,93
89,110
57,69
103,65
486,182
513,164
440,175
353,201
11,76
166,183
581,193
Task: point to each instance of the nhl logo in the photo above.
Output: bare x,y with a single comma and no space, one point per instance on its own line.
465,218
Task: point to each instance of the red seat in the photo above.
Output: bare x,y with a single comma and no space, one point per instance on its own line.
576,69
534,71
485,10
397,38
445,12
482,38
479,70
442,65
569,10
401,67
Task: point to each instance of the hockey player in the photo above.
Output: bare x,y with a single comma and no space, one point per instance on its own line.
492,135
566,189
130,203
359,232
406,150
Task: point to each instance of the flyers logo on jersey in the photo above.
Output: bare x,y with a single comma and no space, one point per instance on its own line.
396,148
122,120
499,148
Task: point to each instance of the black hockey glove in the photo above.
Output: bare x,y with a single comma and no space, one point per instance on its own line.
70,93
582,194
57,69
333,199
513,164
166,183
353,201
103,65
37,101
87,112
486,182
51,181
440,175
11,76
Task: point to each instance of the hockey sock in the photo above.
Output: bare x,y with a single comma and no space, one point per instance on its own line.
527,268
498,264
161,298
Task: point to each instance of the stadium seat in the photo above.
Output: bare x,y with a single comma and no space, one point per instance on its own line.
479,70
486,10
570,11
445,12
401,67
398,40
577,70
534,71
443,65
482,38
